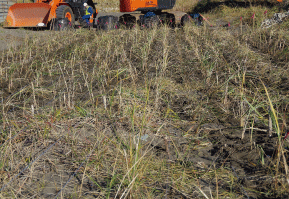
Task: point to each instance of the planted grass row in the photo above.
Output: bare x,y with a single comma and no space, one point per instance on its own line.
138,81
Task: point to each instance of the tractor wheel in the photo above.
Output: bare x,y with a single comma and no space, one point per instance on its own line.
62,24
64,11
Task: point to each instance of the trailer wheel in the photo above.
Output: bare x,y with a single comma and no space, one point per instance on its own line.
185,19
149,22
127,21
152,22
108,22
168,19
195,18
64,11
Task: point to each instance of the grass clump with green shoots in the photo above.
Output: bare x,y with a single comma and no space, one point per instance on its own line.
196,112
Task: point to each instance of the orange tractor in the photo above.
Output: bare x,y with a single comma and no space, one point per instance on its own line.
42,12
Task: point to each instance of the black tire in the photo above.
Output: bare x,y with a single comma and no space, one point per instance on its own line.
128,21
61,25
168,19
107,22
185,19
197,20
149,22
61,13
152,22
